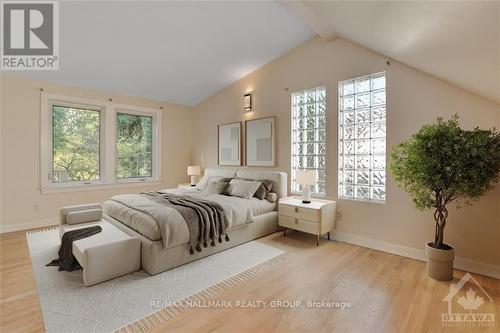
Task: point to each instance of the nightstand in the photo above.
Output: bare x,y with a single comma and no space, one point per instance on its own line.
317,217
186,185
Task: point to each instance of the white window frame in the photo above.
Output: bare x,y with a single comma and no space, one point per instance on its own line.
371,154
107,151
316,145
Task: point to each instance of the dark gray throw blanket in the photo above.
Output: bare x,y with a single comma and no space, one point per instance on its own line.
204,218
66,260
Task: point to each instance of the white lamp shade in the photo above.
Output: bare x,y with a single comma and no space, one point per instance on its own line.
193,170
306,177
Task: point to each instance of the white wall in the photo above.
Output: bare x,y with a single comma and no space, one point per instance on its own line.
1,153
414,99
22,204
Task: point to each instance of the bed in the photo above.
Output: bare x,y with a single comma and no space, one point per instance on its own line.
167,247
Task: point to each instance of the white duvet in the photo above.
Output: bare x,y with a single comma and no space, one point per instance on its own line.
158,222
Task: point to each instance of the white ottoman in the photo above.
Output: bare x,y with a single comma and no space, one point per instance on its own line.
106,255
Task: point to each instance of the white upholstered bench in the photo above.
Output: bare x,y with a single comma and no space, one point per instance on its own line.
103,256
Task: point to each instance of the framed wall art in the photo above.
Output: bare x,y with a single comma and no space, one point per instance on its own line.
229,144
259,141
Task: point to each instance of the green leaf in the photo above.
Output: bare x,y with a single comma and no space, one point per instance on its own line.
443,163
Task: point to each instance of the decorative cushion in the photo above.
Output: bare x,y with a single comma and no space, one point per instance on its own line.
264,188
280,183
63,213
207,179
202,183
216,187
243,188
83,216
271,197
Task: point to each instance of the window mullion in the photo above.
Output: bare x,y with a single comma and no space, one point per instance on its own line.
85,153
109,160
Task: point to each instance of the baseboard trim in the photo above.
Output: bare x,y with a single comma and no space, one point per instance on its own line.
28,225
419,254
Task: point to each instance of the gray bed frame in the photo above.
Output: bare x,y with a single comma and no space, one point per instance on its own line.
155,258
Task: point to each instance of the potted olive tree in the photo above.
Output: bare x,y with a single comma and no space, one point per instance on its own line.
443,164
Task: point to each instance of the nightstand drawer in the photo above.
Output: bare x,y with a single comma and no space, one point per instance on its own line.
299,224
299,212
286,210
308,214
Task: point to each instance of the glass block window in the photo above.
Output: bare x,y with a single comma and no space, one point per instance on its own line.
362,135
309,137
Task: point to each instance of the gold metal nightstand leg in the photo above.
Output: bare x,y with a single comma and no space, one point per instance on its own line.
317,240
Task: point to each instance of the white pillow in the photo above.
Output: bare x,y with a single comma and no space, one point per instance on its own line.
84,216
202,184
243,188
271,196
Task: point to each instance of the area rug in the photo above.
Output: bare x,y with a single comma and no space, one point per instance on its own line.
138,301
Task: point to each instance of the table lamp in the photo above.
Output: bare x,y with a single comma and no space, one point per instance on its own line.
193,171
306,178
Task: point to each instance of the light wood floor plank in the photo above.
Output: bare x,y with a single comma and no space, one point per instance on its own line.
388,293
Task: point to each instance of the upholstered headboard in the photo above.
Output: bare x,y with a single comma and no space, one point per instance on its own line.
278,178
229,173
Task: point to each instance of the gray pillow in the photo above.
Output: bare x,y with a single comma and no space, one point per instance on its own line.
216,187
264,188
243,188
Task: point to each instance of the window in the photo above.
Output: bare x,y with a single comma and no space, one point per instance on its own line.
309,136
87,143
75,144
362,134
134,144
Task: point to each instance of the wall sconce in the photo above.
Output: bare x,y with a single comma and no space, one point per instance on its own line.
247,102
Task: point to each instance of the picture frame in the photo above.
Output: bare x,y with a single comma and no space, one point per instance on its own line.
260,140
229,144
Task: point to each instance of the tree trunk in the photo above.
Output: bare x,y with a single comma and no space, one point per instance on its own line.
440,236
440,216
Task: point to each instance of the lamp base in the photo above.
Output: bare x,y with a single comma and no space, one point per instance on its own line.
193,185
193,181
306,194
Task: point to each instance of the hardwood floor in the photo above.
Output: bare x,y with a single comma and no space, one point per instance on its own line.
387,293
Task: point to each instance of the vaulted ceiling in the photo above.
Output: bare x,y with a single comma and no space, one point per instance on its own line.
184,52
181,52
456,41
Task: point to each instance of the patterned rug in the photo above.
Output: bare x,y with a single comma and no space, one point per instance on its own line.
131,303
